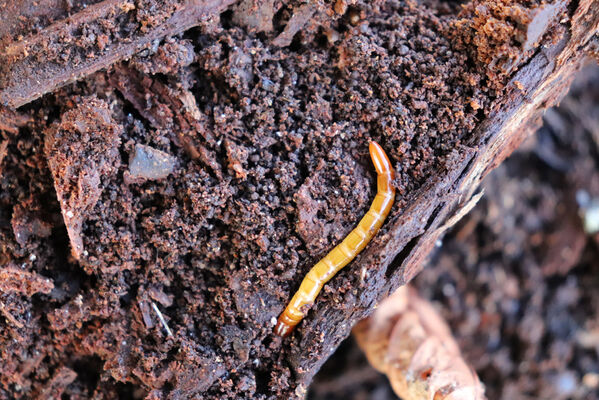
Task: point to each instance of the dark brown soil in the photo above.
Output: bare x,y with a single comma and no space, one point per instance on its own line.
167,287
517,278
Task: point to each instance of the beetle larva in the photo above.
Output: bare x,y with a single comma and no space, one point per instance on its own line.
347,250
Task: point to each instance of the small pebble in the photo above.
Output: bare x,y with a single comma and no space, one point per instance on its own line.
591,217
591,380
566,383
149,163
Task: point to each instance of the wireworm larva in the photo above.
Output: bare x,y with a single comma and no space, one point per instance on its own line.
349,248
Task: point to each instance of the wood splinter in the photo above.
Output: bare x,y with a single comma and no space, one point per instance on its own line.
347,250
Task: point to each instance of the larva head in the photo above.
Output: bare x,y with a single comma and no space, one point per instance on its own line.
379,159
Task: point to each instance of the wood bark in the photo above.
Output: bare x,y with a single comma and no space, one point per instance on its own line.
82,44
539,82
536,82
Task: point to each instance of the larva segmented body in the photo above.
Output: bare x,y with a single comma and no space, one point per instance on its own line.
345,251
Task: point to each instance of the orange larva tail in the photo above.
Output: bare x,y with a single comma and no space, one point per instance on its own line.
284,328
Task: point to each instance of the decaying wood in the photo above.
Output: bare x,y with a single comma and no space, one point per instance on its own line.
61,379
84,43
15,280
536,81
10,121
406,339
540,81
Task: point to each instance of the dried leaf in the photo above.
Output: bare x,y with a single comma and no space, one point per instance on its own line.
408,341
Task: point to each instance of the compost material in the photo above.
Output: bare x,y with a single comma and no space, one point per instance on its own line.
166,283
517,278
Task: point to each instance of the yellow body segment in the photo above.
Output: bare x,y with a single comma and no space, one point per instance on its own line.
345,251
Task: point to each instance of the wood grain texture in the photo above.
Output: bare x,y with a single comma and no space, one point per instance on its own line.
83,43
539,82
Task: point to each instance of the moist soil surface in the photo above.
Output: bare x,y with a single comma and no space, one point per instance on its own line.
156,217
517,278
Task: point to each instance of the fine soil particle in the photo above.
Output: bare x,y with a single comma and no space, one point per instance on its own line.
517,278
168,287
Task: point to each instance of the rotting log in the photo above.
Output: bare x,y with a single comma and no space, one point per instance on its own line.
83,43
539,82
536,81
